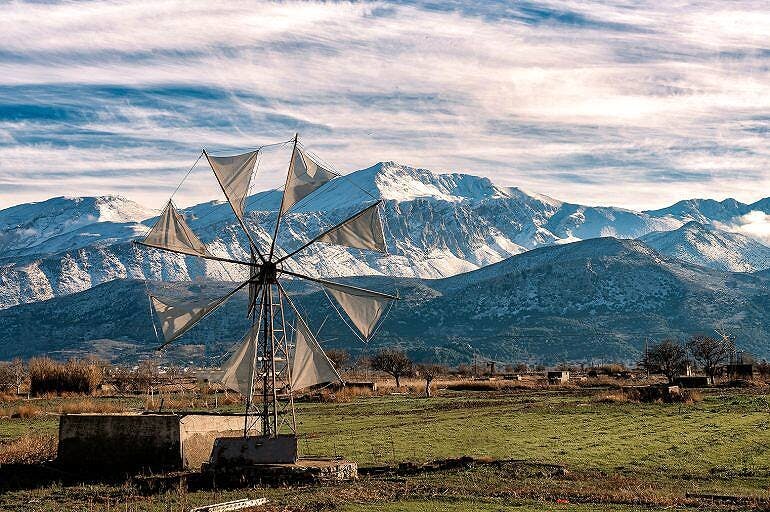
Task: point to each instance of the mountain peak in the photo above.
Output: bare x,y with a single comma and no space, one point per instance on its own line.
702,210
27,225
400,182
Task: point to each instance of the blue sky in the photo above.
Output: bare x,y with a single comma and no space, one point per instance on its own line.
634,103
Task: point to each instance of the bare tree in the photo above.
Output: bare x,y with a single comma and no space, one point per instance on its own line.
667,357
394,362
709,353
339,357
13,375
430,372
146,376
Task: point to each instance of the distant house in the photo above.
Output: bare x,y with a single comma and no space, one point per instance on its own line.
558,376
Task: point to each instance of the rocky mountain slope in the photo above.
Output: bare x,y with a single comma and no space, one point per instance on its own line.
711,247
590,300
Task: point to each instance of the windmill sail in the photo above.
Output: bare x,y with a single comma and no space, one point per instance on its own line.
364,308
177,317
305,176
310,366
234,175
237,369
362,231
172,232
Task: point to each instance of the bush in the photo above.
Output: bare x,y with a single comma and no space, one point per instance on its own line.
27,412
74,376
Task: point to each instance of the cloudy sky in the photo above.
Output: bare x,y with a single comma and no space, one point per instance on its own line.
633,103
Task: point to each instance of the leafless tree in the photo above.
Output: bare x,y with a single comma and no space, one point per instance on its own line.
13,375
709,353
667,357
340,358
430,372
394,362
146,375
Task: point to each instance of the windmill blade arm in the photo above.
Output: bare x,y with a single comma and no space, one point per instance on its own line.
314,240
283,198
212,258
192,324
235,211
352,289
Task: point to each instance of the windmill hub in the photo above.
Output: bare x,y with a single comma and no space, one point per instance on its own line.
268,273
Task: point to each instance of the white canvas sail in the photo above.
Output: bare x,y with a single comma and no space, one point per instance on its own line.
234,174
305,176
237,370
172,232
310,366
363,307
177,317
362,231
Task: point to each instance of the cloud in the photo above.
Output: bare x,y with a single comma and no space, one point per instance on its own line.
585,101
755,224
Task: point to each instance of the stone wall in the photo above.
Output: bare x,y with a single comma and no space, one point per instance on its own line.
136,442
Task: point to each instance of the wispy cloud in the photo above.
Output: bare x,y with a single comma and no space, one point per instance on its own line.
755,224
590,102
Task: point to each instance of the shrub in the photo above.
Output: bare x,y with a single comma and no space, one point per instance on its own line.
26,412
74,376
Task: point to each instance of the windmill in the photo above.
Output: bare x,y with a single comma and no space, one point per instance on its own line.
277,356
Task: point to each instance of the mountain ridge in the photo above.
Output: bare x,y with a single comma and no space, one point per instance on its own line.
437,225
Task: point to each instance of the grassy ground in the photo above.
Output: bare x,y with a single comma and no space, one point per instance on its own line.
619,456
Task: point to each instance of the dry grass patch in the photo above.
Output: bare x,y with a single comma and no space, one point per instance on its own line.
28,450
612,397
88,405
21,411
74,376
344,394
491,385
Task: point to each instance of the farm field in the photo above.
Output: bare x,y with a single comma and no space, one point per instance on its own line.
616,455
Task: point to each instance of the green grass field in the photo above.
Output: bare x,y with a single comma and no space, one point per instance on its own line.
619,456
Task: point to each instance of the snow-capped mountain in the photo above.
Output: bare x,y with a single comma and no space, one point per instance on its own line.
711,247
36,228
437,225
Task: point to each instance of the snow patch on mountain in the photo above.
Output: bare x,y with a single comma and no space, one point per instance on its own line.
25,226
711,247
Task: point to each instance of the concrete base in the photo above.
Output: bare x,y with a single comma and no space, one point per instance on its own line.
247,451
304,471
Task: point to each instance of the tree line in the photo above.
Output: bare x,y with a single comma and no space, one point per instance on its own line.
671,358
